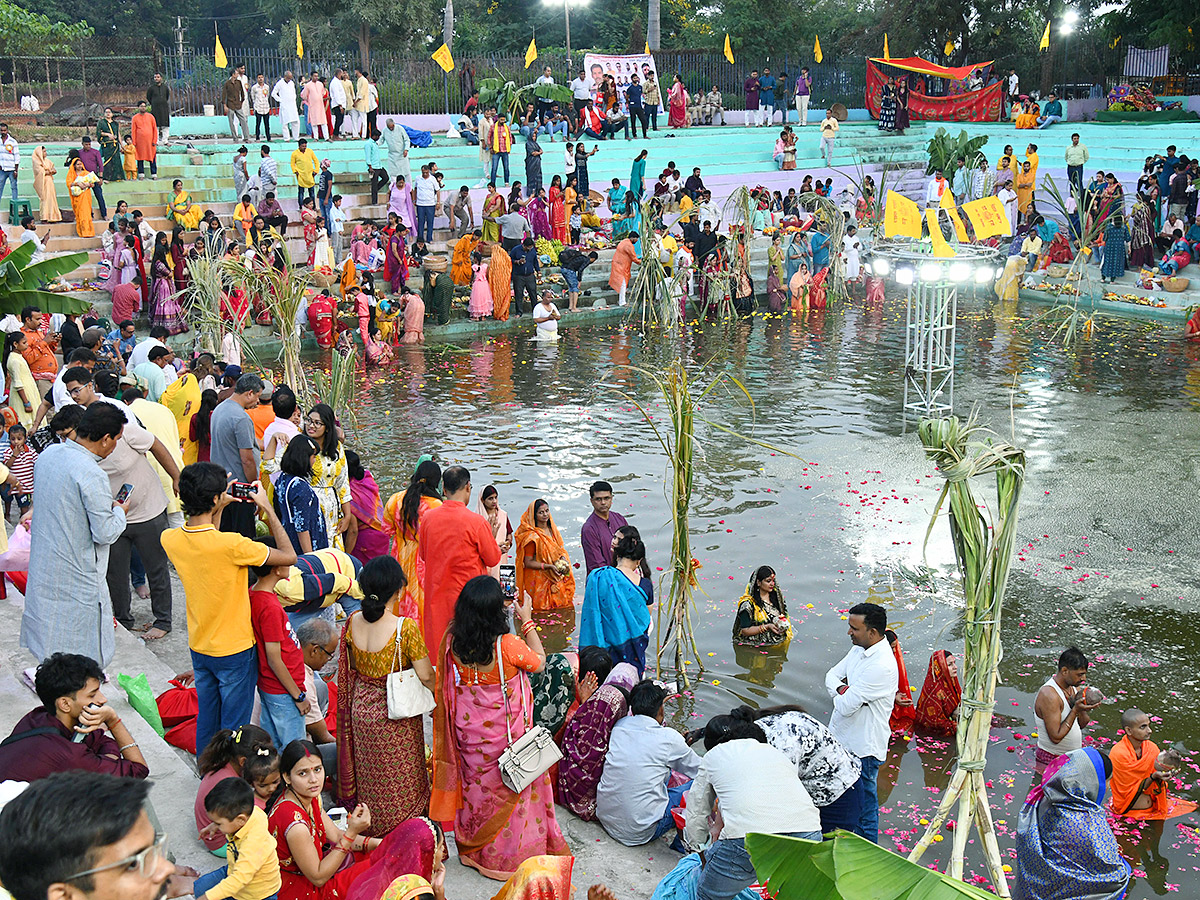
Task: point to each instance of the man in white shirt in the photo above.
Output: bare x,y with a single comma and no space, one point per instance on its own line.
757,790
632,800
10,160
286,426
141,351
1014,84
28,235
937,186
581,93
337,227
284,93
260,100
337,102
863,687
543,103
427,200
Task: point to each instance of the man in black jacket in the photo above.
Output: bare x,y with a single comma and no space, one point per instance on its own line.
525,267
158,95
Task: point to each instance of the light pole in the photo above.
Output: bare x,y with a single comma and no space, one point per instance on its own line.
1069,18
567,19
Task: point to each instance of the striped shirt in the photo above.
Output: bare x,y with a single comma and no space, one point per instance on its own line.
22,467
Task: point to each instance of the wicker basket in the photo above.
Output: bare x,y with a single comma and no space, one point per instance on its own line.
435,262
1175,285
323,279
1057,270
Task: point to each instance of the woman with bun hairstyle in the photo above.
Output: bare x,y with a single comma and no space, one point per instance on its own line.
381,761
616,614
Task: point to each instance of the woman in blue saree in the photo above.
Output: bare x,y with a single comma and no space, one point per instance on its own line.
616,601
1065,847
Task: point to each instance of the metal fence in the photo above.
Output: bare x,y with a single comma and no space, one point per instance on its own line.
411,85
96,72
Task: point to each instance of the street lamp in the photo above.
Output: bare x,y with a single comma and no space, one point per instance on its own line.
1069,19
567,16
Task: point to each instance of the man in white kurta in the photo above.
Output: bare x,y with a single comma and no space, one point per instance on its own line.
67,604
396,139
284,93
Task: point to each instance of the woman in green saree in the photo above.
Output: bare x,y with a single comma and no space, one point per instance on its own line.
109,136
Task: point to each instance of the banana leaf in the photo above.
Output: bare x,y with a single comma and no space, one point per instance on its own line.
21,281
848,867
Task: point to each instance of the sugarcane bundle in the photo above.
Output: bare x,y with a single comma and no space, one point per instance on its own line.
983,548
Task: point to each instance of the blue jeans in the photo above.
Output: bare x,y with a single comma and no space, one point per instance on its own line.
845,811
868,822
212,879
326,206
553,128
281,719
497,158
224,691
674,796
728,870
312,194
6,176
571,277
425,220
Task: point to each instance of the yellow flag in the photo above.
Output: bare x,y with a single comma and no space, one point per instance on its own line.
988,216
728,49
901,217
530,53
949,48
1045,44
887,54
299,43
947,203
940,247
647,48
219,57
442,57
817,54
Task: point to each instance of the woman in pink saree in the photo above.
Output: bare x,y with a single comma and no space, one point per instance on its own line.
371,539
495,829
677,99
414,319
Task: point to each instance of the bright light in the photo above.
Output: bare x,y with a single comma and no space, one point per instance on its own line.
960,271
1070,17
931,272
881,267
983,274
1065,29
904,275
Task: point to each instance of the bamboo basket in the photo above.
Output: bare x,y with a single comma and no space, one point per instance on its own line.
1175,285
323,279
435,262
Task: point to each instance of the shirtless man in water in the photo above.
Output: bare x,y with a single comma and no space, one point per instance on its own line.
1060,710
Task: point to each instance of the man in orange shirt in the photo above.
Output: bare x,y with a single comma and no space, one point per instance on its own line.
39,354
455,545
263,414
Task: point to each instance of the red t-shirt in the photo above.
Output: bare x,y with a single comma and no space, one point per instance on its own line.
271,626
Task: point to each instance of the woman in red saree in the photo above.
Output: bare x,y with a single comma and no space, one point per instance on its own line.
422,852
311,848
381,760
477,708
558,211
937,710
677,99
903,711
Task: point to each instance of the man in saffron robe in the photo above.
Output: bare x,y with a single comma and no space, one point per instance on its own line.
454,544
1139,789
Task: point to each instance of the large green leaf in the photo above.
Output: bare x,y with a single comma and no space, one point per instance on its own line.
847,867
47,301
49,269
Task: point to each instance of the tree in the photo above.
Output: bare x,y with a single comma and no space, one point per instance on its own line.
25,33
406,24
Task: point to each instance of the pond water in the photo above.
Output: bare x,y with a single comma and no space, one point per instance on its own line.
1108,531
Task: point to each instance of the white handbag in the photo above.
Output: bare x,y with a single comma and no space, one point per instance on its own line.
406,695
530,756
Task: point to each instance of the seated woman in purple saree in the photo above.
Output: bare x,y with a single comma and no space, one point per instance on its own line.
585,741
1065,846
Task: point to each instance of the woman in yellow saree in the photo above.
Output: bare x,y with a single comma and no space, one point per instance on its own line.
81,197
182,210
401,519
543,567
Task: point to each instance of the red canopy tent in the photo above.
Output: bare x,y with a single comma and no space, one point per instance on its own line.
973,106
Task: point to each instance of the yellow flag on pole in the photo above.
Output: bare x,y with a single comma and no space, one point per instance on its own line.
647,48
901,217
1045,44
949,48
940,246
530,53
219,56
817,54
887,54
988,216
728,49
442,57
299,43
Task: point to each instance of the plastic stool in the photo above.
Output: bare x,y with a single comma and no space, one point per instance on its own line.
18,209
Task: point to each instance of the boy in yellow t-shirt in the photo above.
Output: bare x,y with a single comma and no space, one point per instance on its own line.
252,872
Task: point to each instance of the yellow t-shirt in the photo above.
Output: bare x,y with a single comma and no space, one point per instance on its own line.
253,872
160,422
212,566
182,398
305,166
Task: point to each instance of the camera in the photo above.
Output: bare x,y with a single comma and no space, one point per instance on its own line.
242,490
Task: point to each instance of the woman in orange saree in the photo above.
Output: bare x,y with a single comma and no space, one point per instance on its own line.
543,567
500,281
558,211
937,709
540,878
401,518
903,711
81,197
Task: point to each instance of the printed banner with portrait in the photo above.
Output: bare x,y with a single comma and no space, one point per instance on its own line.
973,106
620,68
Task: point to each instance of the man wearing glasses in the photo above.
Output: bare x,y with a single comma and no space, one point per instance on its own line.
52,842
319,644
